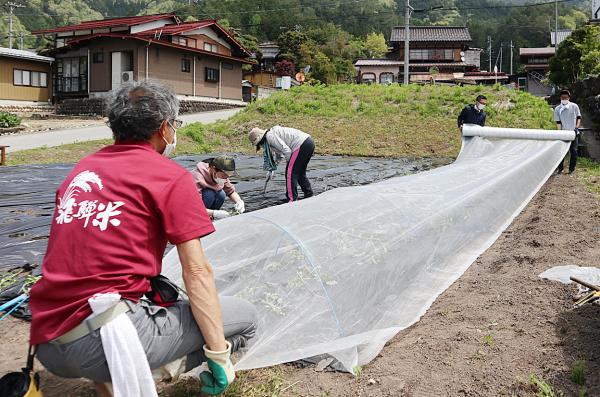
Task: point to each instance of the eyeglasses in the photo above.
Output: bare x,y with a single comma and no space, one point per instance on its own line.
177,123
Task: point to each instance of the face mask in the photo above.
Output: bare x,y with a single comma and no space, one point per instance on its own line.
480,106
170,148
220,181
564,102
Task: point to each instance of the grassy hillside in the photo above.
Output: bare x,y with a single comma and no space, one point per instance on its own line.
374,120
359,120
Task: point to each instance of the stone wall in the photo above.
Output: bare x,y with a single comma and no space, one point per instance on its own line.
23,109
96,106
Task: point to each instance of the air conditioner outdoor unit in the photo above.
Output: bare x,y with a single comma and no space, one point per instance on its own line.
126,77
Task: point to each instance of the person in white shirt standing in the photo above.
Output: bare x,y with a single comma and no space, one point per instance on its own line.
297,147
568,117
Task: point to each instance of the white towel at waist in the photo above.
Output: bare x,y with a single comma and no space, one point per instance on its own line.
127,361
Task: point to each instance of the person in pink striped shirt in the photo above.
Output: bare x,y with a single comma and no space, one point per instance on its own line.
212,180
295,146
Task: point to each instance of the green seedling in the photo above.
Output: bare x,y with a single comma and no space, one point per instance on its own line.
488,340
543,388
578,372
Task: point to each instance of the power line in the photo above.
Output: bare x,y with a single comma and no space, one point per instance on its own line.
340,3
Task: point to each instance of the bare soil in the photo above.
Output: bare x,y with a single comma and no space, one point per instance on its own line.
484,336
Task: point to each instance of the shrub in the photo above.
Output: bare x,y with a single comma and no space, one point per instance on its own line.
8,120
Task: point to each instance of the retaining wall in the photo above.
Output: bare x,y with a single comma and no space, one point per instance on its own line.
96,106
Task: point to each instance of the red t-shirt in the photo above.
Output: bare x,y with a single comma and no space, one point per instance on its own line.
114,214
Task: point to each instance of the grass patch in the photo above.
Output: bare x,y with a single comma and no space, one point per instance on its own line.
349,119
543,388
488,340
588,171
378,120
74,152
8,120
253,383
578,372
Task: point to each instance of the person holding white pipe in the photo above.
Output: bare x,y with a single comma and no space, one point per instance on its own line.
473,114
568,117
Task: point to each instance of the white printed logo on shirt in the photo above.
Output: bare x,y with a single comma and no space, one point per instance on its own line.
101,214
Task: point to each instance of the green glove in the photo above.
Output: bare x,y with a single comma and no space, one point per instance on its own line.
221,371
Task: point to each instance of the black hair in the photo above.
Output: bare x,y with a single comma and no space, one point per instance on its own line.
480,97
565,92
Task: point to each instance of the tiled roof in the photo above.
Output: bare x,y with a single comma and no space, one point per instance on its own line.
391,62
443,64
12,53
107,23
75,42
432,33
189,26
177,28
537,51
377,62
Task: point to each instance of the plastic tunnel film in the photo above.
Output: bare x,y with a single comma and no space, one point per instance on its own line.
343,272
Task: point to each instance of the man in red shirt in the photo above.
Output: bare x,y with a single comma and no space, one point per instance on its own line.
115,213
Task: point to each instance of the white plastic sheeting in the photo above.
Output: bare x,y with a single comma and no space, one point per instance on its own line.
564,273
345,271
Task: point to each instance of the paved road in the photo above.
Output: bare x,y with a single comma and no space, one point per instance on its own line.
61,137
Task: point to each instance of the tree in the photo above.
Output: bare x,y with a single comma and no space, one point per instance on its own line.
285,68
577,56
375,45
289,43
322,68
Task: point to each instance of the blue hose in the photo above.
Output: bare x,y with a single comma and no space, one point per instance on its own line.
15,303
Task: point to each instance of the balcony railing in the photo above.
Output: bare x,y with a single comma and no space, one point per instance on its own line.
71,84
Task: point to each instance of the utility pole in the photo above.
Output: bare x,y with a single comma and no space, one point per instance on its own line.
406,40
555,23
21,36
511,57
501,57
489,39
11,7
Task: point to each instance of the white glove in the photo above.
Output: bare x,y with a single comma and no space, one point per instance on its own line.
220,214
240,207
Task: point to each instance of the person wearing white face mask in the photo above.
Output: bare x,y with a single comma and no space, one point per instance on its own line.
212,180
115,213
568,117
473,114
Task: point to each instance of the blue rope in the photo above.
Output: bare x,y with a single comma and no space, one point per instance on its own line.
310,260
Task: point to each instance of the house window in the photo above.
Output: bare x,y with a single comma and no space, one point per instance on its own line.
186,65
211,47
431,54
539,60
226,65
98,57
71,74
180,40
30,78
386,78
368,78
212,74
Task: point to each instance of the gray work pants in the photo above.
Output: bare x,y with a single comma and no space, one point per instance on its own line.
166,334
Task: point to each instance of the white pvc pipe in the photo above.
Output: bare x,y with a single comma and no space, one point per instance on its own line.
517,133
